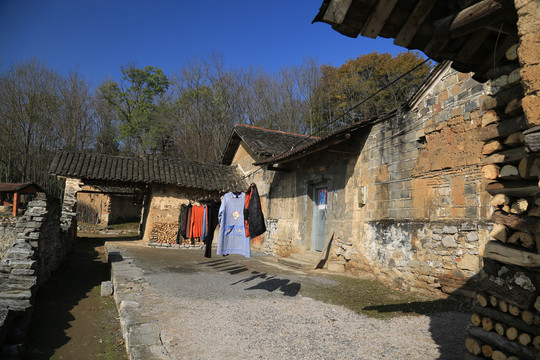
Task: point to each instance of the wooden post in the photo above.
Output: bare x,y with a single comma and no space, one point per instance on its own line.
15,203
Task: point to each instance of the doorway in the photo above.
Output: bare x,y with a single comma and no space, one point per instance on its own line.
318,222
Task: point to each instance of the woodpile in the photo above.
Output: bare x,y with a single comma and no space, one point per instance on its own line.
164,233
505,323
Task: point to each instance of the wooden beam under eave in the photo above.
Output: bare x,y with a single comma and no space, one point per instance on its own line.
481,14
336,11
414,22
378,18
498,54
472,45
469,20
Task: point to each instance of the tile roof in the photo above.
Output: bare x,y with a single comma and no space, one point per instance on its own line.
16,187
146,170
324,142
263,142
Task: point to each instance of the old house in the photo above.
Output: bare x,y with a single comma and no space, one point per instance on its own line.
164,182
107,205
498,41
13,195
401,195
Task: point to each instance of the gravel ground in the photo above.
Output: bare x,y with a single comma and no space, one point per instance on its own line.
236,309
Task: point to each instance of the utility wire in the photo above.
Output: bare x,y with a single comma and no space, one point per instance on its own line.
348,111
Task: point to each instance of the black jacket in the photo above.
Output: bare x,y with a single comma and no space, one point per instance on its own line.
254,214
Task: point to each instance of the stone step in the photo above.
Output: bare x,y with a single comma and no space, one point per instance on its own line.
293,263
310,257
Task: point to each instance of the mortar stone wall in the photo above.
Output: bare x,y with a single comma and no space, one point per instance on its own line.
411,208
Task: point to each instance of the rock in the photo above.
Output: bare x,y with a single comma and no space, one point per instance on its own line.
106,288
450,230
449,241
472,236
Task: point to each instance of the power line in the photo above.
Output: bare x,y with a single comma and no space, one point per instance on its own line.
348,111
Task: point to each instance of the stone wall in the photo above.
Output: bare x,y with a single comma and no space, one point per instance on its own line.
163,207
45,234
506,316
244,159
8,233
411,207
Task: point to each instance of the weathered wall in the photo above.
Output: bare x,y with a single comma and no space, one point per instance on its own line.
8,233
106,209
410,208
163,208
45,234
244,159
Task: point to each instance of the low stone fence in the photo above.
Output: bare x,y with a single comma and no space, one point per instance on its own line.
45,234
8,234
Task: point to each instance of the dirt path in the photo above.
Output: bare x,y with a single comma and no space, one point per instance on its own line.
71,320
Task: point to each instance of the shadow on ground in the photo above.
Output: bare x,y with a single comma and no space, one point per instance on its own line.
269,283
70,320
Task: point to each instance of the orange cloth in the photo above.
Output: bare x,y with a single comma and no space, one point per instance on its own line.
197,215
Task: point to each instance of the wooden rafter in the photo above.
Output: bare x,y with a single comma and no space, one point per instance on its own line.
466,21
472,45
337,9
414,22
378,18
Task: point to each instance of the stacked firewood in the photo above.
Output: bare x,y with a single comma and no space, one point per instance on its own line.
164,233
505,324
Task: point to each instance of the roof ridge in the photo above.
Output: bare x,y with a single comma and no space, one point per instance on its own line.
280,131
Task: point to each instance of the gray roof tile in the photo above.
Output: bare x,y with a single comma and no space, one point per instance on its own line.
181,172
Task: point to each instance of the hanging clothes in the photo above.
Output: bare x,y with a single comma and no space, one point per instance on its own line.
212,222
254,218
232,233
189,212
181,234
197,214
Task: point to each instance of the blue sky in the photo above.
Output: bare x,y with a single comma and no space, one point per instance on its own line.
96,37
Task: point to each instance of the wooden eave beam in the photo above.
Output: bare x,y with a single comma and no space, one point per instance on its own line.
336,11
472,45
274,168
466,21
481,14
344,150
378,18
414,22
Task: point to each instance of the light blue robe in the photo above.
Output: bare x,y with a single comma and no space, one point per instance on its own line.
232,233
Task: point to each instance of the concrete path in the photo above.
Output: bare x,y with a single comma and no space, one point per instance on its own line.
144,278
177,304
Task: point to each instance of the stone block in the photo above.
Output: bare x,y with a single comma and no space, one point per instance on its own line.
449,241
336,266
450,230
106,288
472,237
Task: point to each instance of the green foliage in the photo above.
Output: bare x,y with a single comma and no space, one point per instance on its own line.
136,101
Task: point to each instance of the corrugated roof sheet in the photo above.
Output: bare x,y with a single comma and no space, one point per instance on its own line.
148,169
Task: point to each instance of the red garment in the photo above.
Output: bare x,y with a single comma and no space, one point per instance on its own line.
197,214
